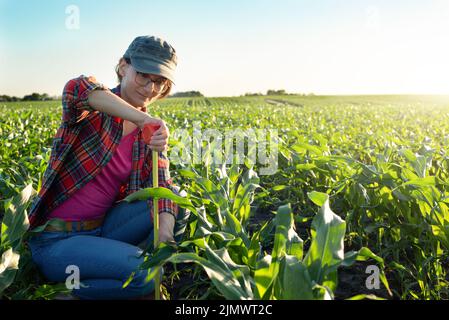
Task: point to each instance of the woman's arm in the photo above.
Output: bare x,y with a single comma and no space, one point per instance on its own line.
107,102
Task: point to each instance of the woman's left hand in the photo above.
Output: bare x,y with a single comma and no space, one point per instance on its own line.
159,139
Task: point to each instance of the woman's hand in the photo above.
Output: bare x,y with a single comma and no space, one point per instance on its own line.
166,227
159,140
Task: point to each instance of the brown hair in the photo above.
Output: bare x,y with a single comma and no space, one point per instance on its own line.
162,95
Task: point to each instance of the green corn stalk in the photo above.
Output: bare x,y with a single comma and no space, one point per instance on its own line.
155,157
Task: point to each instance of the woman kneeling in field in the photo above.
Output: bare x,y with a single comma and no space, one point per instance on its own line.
99,157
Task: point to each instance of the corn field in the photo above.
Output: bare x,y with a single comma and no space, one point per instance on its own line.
361,183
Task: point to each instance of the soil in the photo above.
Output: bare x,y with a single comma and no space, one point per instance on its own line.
352,282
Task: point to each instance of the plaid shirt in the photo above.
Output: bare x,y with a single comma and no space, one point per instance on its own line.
83,145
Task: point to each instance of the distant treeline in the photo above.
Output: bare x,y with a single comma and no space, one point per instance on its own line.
270,92
187,94
30,97
45,97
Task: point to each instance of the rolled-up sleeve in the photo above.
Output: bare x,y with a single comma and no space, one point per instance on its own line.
75,103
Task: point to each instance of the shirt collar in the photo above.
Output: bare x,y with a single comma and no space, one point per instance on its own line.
116,90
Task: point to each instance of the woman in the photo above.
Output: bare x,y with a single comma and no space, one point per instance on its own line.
98,158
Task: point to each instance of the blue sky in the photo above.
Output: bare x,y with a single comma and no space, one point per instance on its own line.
232,47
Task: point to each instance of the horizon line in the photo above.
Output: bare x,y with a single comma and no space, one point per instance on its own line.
311,94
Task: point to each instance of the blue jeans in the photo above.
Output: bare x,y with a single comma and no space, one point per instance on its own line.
106,256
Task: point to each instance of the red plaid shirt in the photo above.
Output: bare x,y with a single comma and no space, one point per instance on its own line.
83,145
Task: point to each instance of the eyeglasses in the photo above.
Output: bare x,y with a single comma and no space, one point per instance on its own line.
144,79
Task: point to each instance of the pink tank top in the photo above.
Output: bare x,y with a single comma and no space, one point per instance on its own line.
94,199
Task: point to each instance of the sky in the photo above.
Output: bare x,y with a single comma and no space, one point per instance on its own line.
229,48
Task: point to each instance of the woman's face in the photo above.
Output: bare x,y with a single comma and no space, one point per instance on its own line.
134,93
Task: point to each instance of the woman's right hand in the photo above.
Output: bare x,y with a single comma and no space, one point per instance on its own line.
159,140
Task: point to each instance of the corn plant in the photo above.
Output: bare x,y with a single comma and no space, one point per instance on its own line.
285,273
19,277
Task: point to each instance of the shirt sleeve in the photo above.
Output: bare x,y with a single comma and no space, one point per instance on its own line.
165,205
75,103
